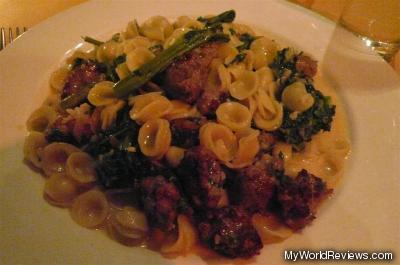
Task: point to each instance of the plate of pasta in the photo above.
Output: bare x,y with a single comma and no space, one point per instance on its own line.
195,134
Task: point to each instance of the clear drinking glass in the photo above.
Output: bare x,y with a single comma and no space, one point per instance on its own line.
377,22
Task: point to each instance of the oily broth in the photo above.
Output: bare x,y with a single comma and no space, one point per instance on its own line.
326,154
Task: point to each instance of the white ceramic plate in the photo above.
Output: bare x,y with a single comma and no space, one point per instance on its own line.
363,215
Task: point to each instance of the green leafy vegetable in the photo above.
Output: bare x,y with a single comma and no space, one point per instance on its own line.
300,130
247,39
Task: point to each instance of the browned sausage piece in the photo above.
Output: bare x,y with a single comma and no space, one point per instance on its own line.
299,197
160,200
306,65
229,232
187,76
87,73
202,178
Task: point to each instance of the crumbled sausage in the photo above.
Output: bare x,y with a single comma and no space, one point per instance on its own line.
306,65
229,232
203,178
87,73
256,187
160,201
210,100
186,77
299,197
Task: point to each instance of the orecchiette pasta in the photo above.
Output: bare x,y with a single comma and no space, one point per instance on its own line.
269,229
33,148
187,237
154,138
55,156
174,155
108,51
129,222
137,58
244,85
219,76
180,109
149,106
102,94
156,28
41,119
176,34
90,209
234,115
131,30
122,70
137,42
227,53
57,78
247,150
219,139
60,190
264,51
80,167
108,115
296,98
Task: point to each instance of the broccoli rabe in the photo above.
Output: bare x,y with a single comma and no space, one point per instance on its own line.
298,127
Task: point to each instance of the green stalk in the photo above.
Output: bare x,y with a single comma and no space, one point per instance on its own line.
144,74
92,41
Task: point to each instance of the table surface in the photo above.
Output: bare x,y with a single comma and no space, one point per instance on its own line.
28,13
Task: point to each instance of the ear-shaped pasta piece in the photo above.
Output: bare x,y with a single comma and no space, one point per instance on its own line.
137,42
271,122
53,101
156,28
90,209
227,53
265,77
187,22
57,78
138,57
181,21
129,223
187,237
174,155
149,106
41,119
249,60
242,29
218,77
102,94
264,50
248,148
296,97
81,168
154,138
234,115
176,34
108,115
33,148
269,229
219,139
131,30
108,51
60,190
180,109
54,157
227,29
122,71
245,85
